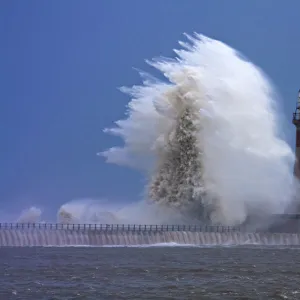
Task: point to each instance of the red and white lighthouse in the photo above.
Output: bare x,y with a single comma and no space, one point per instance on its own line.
296,122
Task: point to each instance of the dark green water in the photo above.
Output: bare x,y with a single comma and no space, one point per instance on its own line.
150,273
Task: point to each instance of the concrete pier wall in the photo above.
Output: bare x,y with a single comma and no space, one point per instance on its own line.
135,235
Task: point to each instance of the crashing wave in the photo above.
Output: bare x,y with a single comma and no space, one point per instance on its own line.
207,138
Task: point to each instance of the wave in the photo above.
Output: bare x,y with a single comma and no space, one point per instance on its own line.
207,138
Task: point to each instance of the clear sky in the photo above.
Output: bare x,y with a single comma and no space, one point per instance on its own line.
62,62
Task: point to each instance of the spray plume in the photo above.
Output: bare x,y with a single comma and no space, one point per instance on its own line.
86,211
207,138
30,215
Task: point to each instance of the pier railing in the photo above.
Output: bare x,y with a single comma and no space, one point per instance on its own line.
117,227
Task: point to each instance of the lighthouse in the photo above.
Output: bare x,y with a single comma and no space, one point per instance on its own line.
296,122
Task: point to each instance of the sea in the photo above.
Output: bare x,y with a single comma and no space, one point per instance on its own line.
164,271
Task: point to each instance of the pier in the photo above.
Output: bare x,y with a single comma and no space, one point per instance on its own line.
57,234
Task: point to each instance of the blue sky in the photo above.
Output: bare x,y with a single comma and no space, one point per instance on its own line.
62,62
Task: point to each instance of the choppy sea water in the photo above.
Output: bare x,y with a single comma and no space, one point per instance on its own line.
149,273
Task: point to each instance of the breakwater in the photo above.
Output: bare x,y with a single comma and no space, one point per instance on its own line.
20,235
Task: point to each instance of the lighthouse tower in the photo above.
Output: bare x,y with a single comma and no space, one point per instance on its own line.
296,122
